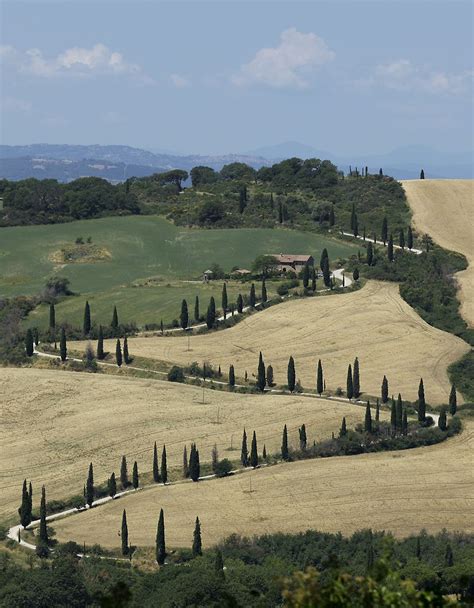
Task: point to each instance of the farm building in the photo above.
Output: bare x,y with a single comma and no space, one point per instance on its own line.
295,263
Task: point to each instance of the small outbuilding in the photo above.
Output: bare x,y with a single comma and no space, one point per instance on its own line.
207,275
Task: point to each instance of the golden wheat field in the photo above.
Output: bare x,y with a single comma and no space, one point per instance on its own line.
54,423
404,492
374,324
444,208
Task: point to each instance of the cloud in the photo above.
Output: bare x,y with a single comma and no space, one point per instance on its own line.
75,61
403,75
180,82
288,64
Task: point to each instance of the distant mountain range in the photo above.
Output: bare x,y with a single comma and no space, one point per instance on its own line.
116,163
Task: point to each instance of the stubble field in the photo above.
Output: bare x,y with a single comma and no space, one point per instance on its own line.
444,208
55,423
374,323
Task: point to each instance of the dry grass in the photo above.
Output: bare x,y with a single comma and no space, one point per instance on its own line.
399,491
445,210
54,423
373,323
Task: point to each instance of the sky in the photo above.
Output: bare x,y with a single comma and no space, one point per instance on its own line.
231,76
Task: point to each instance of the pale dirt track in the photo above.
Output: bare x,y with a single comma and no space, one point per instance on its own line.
403,492
54,423
373,323
444,208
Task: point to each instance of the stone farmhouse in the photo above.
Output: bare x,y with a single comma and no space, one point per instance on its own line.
292,263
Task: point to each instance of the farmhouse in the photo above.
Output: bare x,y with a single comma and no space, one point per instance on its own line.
290,262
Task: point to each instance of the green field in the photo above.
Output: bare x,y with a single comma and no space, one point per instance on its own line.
141,247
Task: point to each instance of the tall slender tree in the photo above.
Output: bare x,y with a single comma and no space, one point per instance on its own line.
384,390
160,540
196,309
254,452
261,379
126,354
231,376
393,417
324,255
86,326
384,235
115,323
303,437
401,239
112,485
211,313
421,402
29,343
264,291
124,473
409,238
252,296
63,345
194,465
184,316
52,318
349,384
442,420
270,377
164,466
306,276
319,378
135,477
224,300
343,429
422,174
326,273
405,422
291,374
100,344
390,248
368,419
453,402
240,304
90,486
219,564
118,353
399,412
285,453
156,469
197,541
377,410
24,510
356,379
244,453
313,279
332,216
124,534
43,528
185,463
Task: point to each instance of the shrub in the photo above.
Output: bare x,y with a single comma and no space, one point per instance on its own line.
176,374
223,468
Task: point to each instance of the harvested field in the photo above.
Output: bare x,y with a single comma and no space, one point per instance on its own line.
373,323
402,492
444,208
54,423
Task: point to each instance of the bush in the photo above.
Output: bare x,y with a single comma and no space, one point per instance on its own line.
176,374
223,468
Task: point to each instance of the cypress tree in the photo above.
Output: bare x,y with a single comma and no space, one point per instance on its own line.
324,255
214,458
114,324
164,466
442,420
353,217
422,174
29,345
303,437
224,301
355,230
100,344
211,313
332,216
326,273
399,412
90,486
254,452
448,556
63,345
196,309
285,454
126,354
453,402
291,374
270,378
313,279
409,238
162,329
319,379
52,318
244,453
356,379
124,473
124,533
306,276
384,235
280,212
118,353
30,500
401,240
405,422
264,291
343,429
184,316
240,304
231,376
377,410
384,390
219,564
197,542
194,465
349,384
160,540
370,254
421,402
380,173
135,479
261,380
35,336
86,326
264,452
43,529
156,470
185,463
112,485
368,419
24,510
252,296
393,417
390,249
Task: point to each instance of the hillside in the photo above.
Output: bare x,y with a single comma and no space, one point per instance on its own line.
445,210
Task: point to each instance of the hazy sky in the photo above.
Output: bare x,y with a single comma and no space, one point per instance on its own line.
230,76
